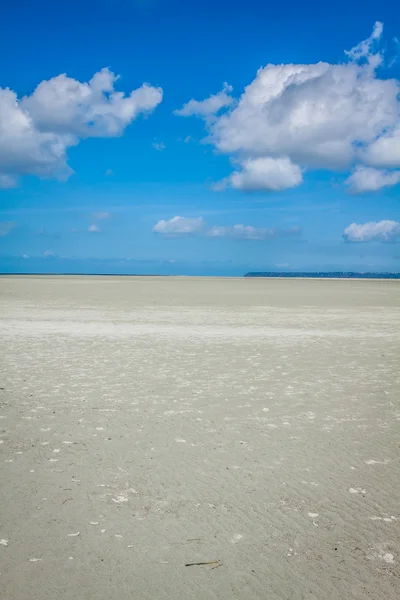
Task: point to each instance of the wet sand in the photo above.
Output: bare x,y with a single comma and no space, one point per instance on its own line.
147,423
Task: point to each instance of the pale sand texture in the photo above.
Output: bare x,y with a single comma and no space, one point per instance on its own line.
151,422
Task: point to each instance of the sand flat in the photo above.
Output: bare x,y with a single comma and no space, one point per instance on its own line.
147,423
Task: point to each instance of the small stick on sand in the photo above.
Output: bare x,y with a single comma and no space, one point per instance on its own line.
211,562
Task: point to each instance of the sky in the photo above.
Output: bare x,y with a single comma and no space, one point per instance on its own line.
212,138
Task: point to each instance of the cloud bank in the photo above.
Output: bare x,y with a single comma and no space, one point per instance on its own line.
184,226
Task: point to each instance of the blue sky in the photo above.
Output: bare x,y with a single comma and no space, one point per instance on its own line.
196,172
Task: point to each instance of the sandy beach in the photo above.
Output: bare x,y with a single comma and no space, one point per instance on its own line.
148,423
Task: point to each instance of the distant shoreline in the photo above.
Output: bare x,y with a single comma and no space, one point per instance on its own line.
333,276
322,275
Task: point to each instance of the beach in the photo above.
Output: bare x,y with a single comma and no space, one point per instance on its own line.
149,423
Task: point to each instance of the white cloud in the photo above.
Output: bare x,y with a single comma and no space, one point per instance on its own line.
385,150
243,232
94,229
317,116
49,254
92,109
208,107
369,179
101,215
37,130
6,227
248,232
365,49
264,173
109,172
159,146
383,231
178,226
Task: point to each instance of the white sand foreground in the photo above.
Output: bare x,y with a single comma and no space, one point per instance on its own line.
147,423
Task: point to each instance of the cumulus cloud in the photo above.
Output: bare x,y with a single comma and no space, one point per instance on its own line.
311,116
49,254
208,107
6,227
37,130
178,226
264,173
92,109
94,229
369,179
385,150
382,231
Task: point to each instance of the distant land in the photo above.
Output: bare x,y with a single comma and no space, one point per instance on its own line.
323,275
